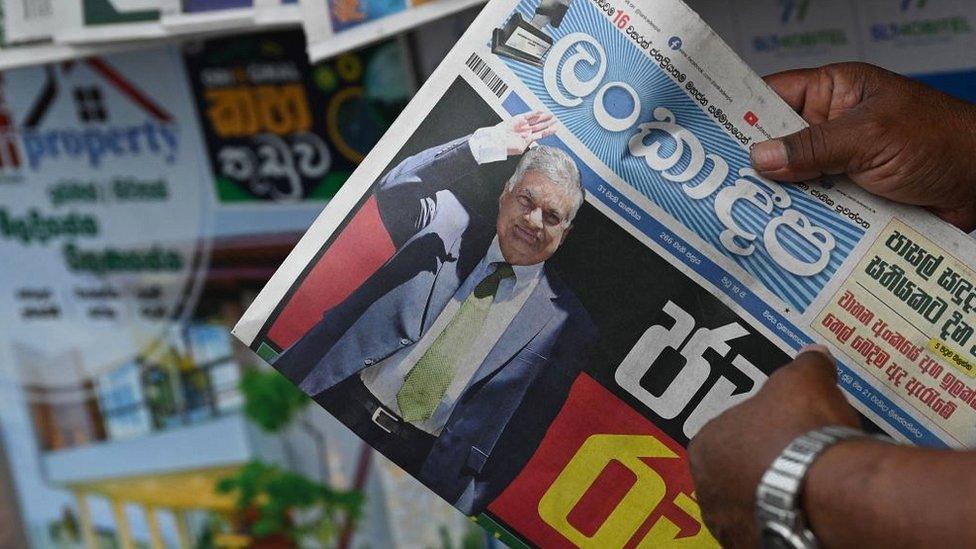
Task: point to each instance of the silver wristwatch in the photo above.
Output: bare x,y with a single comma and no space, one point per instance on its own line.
782,523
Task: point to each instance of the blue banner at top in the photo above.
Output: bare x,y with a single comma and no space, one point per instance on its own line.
618,92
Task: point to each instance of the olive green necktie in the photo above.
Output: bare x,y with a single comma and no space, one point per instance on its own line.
425,384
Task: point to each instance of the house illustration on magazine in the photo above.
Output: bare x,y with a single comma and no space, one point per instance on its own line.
94,93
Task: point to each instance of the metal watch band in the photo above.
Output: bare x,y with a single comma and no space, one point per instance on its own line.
777,496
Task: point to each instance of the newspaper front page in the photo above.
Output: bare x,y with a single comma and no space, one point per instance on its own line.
536,333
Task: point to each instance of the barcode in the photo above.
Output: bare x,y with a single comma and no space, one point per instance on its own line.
488,76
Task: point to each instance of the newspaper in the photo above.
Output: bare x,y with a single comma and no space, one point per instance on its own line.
189,16
27,21
108,21
329,16
270,12
540,363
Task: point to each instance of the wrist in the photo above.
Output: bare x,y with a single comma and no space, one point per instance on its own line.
844,474
487,145
781,502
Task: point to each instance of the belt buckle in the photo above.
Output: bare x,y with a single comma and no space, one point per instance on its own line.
380,411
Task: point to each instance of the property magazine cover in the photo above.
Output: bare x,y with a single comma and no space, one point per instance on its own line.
72,189
558,265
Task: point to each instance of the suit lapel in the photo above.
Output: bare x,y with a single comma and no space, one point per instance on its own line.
446,282
528,322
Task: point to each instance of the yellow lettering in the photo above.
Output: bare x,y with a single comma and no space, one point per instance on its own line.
232,112
633,509
284,109
664,533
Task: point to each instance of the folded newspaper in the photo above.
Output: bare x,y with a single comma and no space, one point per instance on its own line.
558,265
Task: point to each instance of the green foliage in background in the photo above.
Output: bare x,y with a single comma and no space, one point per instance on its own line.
276,493
268,496
271,401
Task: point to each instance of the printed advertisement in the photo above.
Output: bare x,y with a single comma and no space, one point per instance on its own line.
194,6
923,38
27,21
91,149
336,26
906,316
919,38
321,19
349,13
203,16
280,130
558,265
276,12
109,20
777,35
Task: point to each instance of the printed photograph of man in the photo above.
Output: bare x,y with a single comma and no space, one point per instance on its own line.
456,354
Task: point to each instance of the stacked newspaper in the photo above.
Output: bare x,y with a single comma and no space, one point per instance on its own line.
96,21
334,26
558,264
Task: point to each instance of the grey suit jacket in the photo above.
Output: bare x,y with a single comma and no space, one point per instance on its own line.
523,381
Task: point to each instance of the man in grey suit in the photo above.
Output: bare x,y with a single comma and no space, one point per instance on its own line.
454,357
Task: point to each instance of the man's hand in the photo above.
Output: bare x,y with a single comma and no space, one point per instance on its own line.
521,132
524,130
731,453
894,137
511,137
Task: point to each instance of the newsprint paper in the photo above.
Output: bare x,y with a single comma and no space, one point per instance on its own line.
540,359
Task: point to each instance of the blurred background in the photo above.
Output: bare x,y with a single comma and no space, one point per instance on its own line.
148,194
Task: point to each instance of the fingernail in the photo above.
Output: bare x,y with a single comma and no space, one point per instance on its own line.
769,156
816,348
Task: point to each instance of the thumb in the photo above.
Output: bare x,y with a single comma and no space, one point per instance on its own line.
821,149
817,358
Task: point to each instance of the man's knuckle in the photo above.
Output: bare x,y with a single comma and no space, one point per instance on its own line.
850,69
824,146
826,75
819,144
800,149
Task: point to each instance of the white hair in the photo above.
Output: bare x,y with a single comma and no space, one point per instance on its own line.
556,165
